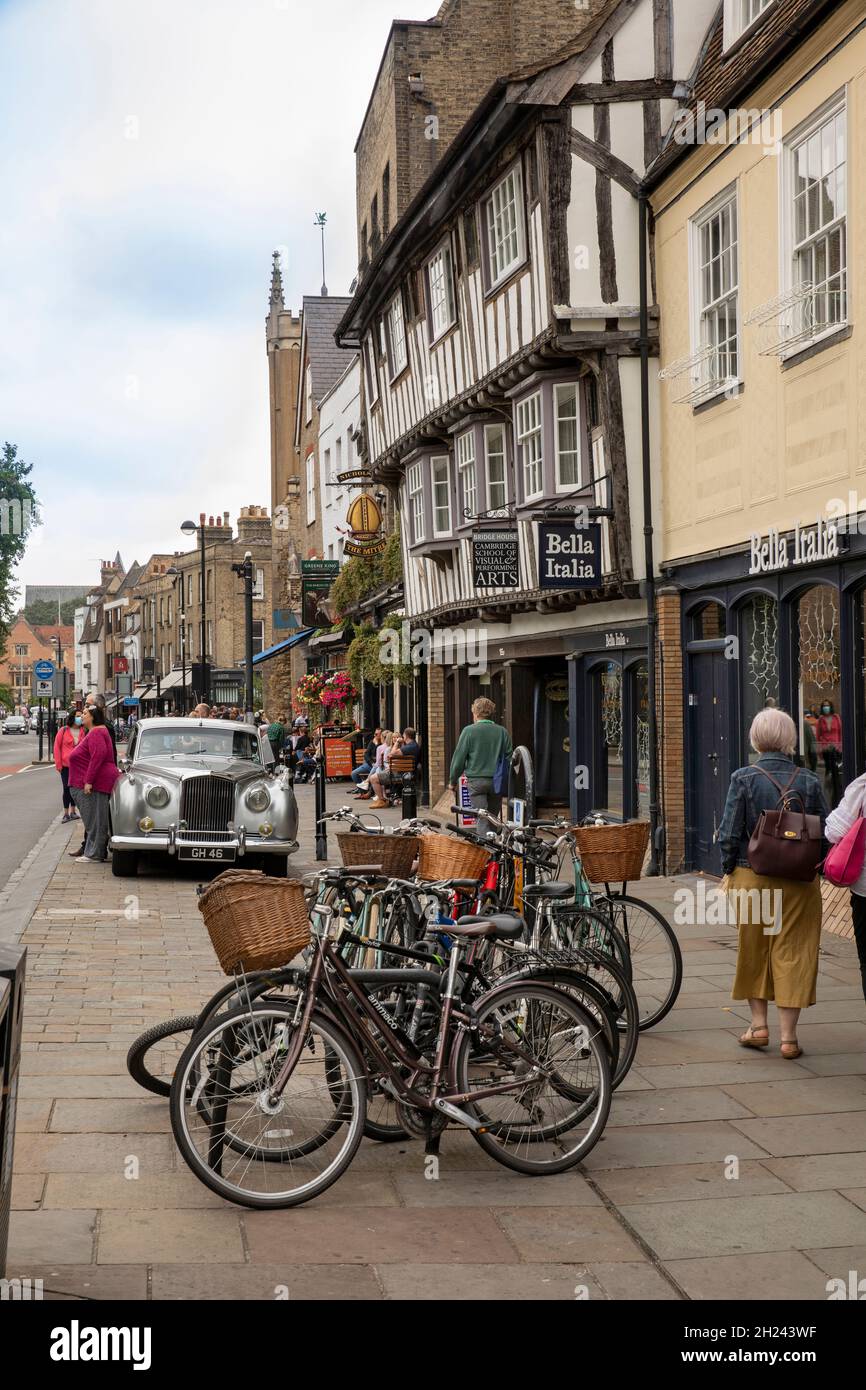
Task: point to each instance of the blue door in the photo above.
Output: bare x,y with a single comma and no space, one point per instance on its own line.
708,741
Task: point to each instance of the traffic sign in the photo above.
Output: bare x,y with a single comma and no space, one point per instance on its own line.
44,688
44,670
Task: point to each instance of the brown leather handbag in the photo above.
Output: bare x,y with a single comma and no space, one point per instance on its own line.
786,843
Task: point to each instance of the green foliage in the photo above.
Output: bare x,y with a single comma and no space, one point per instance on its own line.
364,657
18,515
364,574
7,701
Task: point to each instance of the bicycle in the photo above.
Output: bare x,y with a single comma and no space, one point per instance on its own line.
268,1102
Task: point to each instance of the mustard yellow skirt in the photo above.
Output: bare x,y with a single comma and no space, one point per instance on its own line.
779,926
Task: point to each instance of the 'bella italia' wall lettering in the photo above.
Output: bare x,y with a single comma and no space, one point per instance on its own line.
807,545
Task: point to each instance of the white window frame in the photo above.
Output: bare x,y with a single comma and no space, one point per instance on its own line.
440,322
466,463
700,312
836,106
498,269
491,505
415,500
370,362
259,584
396,332
311,488
435,464
558,390
533,406
740,19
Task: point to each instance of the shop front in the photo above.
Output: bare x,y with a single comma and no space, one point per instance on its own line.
608,724
776,624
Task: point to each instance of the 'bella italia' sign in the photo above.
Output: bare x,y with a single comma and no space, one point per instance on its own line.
569,557
806,546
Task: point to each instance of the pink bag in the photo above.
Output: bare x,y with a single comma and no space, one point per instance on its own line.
844,864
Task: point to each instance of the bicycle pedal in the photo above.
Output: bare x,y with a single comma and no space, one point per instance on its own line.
459,1116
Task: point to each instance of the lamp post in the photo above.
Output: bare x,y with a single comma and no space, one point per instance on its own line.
181,622
245,572
189,528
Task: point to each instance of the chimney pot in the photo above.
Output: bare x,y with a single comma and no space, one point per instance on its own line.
201,518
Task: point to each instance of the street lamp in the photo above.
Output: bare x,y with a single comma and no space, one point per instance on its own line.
189,528
245,572
181,620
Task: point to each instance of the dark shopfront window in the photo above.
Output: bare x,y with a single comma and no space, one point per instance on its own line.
759,653
619,780
818,688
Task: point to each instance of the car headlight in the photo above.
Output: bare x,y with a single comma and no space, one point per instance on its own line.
157,796
258,798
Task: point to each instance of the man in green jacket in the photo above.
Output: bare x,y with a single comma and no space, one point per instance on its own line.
481,746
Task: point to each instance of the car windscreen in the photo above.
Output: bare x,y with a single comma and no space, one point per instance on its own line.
237,744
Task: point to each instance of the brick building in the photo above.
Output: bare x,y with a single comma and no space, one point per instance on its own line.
27,643
432,75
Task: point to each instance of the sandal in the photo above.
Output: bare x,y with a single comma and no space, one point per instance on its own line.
749,1038
790,1049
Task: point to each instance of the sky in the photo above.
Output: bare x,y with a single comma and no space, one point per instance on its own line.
152,157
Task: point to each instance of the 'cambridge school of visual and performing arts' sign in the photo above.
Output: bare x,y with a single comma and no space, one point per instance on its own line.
496,558
569,557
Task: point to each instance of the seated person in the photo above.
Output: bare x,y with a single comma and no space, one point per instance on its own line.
411,748
362,772
302,746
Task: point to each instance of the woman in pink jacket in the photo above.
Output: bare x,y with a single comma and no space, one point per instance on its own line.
92,774
68,737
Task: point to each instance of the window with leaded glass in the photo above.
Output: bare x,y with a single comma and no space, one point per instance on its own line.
568,470
818,182
506,237
529,441
717,253
494,467
440,474
466,473
415,493
440,289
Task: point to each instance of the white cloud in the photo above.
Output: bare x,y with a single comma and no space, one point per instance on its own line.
153,155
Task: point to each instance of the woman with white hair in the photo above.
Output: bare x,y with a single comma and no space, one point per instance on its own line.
777,956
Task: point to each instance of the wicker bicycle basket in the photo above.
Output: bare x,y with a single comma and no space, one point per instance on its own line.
254,922
444,856
395,854
613,853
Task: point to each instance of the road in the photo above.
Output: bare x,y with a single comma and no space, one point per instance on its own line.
29,800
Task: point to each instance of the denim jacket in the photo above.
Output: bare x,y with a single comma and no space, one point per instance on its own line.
750,793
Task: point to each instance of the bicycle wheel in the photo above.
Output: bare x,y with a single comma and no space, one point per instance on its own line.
656,958
235,1062
153,1056
591,997
551,1050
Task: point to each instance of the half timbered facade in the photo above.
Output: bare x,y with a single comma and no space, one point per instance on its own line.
499,332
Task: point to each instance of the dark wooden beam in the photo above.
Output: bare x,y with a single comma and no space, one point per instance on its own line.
606,161
610,397
662,38
634,89
604,210
551,86
556,178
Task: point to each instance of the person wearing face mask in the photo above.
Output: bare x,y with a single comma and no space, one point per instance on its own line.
93,702
92,775
68,737
828,735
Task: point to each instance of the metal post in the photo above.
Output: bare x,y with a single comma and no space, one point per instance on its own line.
40,727
205,669
182,647
321,806
656,829
248,595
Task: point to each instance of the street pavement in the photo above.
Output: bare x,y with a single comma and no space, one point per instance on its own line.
30,797
723,1173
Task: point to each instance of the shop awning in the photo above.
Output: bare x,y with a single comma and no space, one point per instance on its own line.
173,679
328,640
140,691
286,646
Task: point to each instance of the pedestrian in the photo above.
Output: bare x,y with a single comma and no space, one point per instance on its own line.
302,747
777,956
381,774
68,738
362,772
828,735
201,712
277,737
483,753
99,702
92,774
850,810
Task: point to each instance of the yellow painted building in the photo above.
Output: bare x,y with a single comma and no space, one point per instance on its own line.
760,221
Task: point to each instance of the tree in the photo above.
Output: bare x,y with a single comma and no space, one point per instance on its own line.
43,612
18,515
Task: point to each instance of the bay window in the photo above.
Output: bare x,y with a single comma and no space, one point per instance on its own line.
466,475
568,467
440,475
530,444
415,493
494,460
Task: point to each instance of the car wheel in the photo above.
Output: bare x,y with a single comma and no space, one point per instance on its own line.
124,863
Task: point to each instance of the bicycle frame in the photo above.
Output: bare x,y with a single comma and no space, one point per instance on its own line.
385,1043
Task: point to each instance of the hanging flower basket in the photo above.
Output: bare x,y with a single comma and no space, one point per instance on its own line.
308,691
337,692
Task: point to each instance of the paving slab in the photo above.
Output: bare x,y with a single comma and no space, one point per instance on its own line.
329,1283
493,1189
170,1236
541,1234
788,1276
344,1236
815,1097
757,1066
787,1221
822,1171
799,1134
652,1145
688,1182
84,1281
37,1236
173,1191
490,1283
659,1106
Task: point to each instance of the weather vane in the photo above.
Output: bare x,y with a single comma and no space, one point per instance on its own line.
320,222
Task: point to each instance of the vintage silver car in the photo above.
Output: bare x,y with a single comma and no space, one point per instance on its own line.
205,790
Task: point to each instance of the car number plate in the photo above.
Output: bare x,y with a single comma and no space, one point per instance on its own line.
208,853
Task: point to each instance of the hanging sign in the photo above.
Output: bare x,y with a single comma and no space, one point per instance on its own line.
496,558
355,475
569,557
808,545
365,523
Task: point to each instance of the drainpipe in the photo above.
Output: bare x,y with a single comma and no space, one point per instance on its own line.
657,832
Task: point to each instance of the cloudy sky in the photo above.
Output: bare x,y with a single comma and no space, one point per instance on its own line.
151,158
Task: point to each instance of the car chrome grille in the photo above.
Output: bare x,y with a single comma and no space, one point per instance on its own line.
207,804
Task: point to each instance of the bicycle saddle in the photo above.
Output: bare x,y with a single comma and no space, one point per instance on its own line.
501,925
355,871
556,892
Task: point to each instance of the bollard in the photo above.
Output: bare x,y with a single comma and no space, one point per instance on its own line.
321,807
410,796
